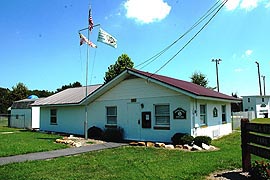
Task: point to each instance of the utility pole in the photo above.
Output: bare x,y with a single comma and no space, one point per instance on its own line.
263,77
217,62
258,65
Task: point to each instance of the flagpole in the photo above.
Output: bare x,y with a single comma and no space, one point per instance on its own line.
87,28
86,84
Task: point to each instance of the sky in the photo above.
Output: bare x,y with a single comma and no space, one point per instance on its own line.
39,41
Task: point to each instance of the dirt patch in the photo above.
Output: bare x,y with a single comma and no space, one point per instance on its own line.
236,174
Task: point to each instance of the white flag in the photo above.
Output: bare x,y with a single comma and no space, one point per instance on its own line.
106,38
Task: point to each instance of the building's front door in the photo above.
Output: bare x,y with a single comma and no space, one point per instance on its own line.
133,130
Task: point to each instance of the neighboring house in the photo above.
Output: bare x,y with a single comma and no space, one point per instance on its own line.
258,104
147,106
22,115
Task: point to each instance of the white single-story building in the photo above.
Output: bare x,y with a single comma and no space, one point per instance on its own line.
147,106
259,104
23,115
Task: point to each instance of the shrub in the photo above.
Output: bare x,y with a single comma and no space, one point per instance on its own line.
113,134
187,139
182,138
202,139
260,170
95,132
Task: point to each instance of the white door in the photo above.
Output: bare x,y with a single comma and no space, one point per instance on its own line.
133,130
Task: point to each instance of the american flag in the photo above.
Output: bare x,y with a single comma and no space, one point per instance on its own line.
83,40
90,21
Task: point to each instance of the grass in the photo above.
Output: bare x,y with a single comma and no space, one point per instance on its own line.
3,121
132,163
261,120
19,141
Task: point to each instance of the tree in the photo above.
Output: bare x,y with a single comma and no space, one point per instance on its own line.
5,101
199,78
20,91
236,107
41,93
120,65
75,84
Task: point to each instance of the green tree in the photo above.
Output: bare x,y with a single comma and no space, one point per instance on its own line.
40,93
75,84
199,78
121,64
20,91
5,101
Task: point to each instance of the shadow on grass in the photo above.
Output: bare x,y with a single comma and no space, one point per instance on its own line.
233,175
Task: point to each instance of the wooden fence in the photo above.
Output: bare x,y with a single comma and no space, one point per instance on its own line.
255,140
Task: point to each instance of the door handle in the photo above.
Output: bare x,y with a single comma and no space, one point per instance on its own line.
139,122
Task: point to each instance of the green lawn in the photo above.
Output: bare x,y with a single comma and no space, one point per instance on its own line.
133,163
261,120
3,121
128,162
18,141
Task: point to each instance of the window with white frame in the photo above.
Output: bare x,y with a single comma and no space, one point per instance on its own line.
203,114
111,115
223,108
162,115
53,116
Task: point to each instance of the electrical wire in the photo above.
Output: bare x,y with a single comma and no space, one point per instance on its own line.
199,21
219,8
153,58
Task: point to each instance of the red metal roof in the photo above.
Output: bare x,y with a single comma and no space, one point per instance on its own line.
186,86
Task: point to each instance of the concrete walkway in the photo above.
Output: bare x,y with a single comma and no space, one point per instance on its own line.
58,153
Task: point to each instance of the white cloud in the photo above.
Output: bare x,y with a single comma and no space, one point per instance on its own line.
249,4
267,4
147,11
248,52
232,4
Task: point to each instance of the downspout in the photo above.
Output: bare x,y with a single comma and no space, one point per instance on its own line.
194,114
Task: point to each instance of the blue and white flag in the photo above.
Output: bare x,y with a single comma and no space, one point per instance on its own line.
106,38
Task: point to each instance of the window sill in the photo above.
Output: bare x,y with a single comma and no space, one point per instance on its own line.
110,126
161,127
53,123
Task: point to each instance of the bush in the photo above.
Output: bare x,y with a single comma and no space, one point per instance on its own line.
113,134
202,139
95,132
182,138
260,171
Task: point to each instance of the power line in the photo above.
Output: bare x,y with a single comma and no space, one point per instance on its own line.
199,21
220,6
215,8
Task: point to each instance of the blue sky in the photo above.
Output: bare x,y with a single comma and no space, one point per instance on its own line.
40,42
